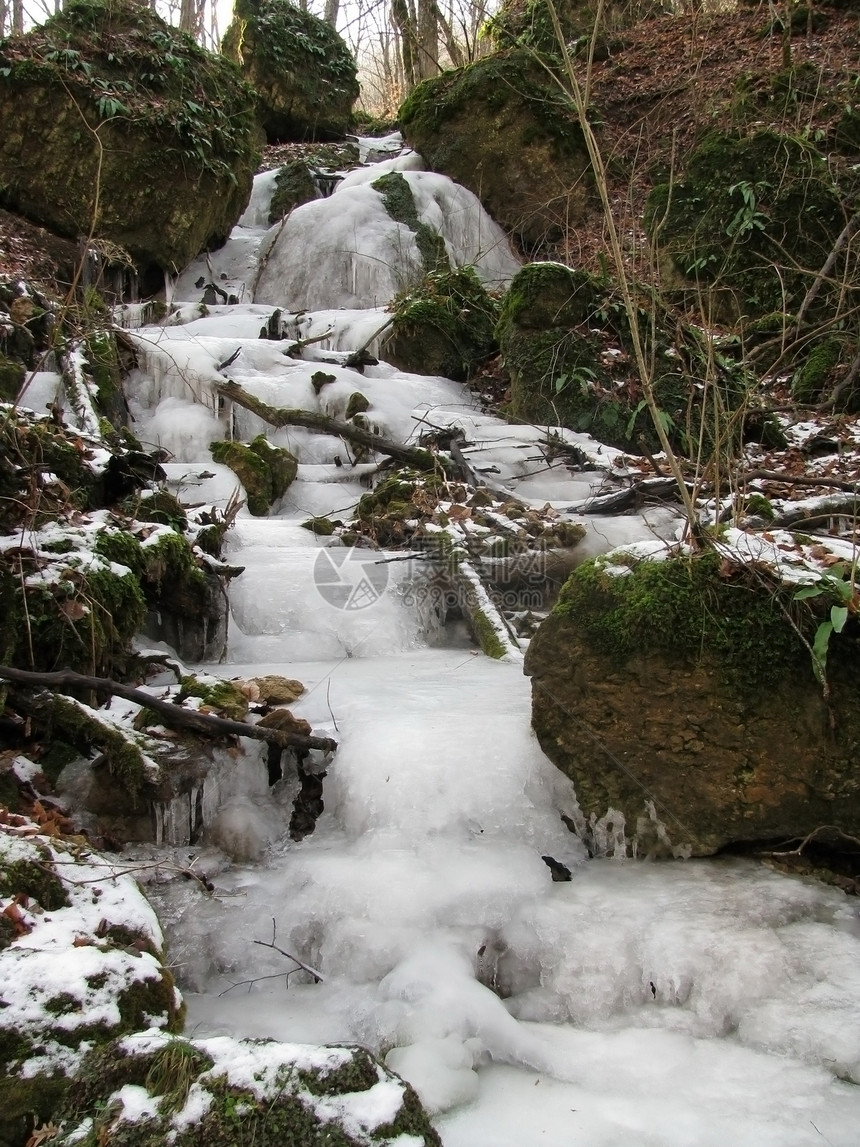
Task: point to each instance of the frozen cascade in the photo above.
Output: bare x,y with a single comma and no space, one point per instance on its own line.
668,1005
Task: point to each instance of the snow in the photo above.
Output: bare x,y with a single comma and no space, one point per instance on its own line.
59,975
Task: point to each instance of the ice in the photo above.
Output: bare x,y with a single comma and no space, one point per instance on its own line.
662,1005
355,255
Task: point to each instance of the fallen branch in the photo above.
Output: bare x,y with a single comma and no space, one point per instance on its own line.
173,714
280,416
800,480
650,489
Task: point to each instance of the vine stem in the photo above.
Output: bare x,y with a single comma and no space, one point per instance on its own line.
599,168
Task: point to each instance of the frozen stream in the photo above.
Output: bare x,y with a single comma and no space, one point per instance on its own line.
657,1005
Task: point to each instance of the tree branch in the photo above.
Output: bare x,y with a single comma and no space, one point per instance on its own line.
279,416
172,714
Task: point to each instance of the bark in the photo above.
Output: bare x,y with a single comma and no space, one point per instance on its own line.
332,7
278,416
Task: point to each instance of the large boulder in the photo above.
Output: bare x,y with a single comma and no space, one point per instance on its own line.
566,342
682,703
502,128
115,122
528,23
752,218
303,71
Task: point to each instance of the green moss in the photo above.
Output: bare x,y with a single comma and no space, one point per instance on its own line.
294,185
264,470
123,751
322,527
40,442
750,216
12,376
235,1115
760,506
222,695
303,72
485,634
810,381
445,325
36,879
399,202
85,622
692,607
102,365
159,506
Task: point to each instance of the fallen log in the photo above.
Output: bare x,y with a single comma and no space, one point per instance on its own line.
280,416
172,714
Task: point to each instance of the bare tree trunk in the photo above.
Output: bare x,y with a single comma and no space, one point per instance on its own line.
405,26
428,39
331,10
188,16
17,16
455,51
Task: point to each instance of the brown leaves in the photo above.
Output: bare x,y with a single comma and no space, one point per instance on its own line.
42,1135
14,913
74,609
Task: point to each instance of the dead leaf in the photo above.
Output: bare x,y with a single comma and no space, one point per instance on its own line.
42,1134
73,609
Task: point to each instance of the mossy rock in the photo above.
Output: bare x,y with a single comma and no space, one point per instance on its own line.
501,128
58,1002
304,74
103,367
565,340
751,220
290,1094
12,376
688,673
223,696
445,326
809,383
264,470
294,185
177,143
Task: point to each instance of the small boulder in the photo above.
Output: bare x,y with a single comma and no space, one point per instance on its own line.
264,470
276,690
443,326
